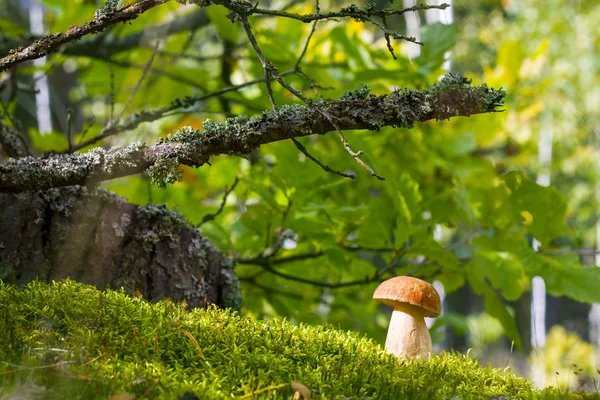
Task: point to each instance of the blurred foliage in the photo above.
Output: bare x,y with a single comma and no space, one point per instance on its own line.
569,362
474,177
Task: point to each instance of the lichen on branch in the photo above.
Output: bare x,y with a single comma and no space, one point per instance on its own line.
453,96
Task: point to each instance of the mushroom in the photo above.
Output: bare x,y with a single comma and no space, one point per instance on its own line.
412,300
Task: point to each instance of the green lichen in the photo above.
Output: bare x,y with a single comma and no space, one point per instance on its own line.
200,3
165,171
73,341
489,98
357,94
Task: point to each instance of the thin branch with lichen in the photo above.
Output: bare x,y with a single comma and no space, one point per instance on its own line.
134,120
102,20
451,97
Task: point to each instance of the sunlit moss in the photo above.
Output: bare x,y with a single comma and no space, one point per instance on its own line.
70,340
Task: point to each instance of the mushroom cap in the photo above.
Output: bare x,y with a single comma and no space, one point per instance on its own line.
411,291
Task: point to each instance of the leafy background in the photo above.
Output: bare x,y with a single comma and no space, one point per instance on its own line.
288,222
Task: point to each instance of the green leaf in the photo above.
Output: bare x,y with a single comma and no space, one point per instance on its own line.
494,306
459,323
438,39
504,271
51,141
565,276
337,258
510,57
541,209
264,192
406,199
434,251
227,30
462,143
340,38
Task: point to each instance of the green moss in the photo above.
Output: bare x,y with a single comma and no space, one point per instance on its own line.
68,340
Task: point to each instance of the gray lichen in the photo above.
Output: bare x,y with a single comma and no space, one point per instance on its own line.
165,171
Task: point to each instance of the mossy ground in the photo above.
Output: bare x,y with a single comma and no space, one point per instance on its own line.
71,341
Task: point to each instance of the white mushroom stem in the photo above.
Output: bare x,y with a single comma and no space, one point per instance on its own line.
408,335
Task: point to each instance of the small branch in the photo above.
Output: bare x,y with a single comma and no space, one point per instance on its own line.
111,96
368,279
268,260
106,45
156,71
211,217
152,115
348,12
356,156
387,38
139,82
310,35
319,163
101,21
279,240
268,68
69,128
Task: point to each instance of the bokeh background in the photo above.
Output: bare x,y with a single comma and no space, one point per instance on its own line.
479,205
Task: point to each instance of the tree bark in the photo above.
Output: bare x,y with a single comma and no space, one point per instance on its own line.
95,237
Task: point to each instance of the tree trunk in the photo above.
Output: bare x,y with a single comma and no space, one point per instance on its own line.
95,237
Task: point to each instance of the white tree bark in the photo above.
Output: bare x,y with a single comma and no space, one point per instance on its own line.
594,316
42,96
538,288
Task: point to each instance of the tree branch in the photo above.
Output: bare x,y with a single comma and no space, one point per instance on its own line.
452,96
268,260
375,277
102,20
135,120
210,217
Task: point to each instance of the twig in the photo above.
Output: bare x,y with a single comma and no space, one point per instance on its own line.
139,82
348,12
270,71
387,38
310,35
156,71
268,260
111,98
152,115
210,217
69,128
368,279
356,155
101,21
268,68
279,240
319,163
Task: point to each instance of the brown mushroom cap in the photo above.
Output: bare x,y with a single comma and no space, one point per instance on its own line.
411,291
